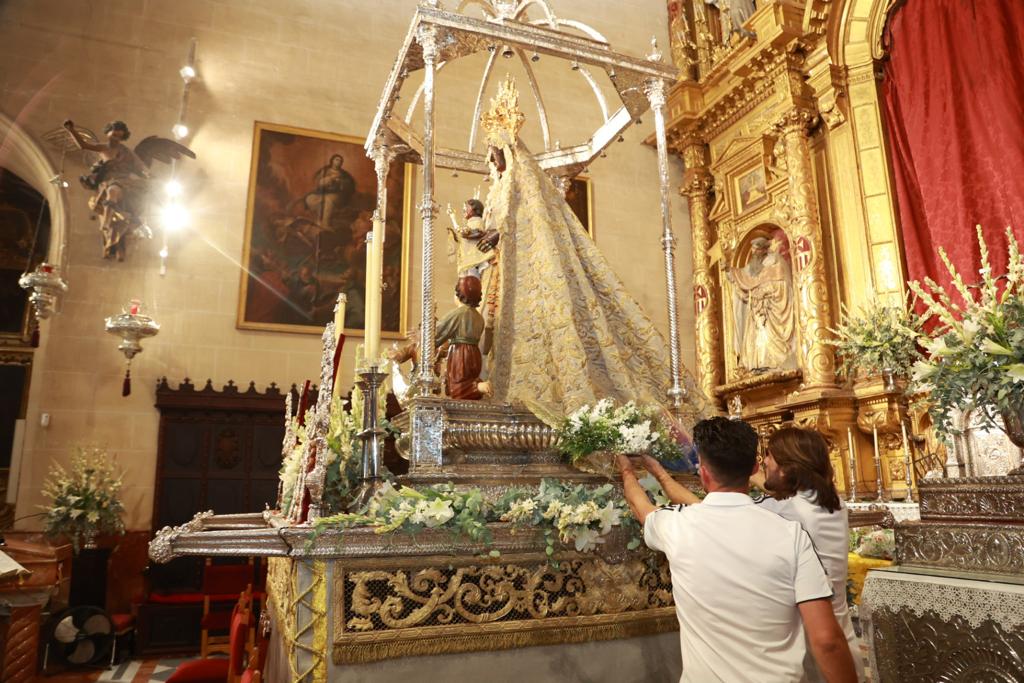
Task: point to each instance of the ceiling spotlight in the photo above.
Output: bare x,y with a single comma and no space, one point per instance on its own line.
639,121
622,139
188,73
491,48
174,217
164,252
58,181
575,66
173,188
180,131
507,52
535,57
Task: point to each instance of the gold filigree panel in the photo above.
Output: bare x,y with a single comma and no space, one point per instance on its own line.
386,612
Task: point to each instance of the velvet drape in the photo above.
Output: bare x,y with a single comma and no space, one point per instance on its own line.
953,105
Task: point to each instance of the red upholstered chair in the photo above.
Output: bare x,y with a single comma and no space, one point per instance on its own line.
220,669
222,584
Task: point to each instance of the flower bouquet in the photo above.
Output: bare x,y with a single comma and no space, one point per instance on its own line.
880,339
84,499
591,436
976,355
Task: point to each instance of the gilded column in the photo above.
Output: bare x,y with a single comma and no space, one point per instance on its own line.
697,182
425,383
807,246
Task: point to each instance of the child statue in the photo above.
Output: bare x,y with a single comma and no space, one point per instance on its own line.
461,329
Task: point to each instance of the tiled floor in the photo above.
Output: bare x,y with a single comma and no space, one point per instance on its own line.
136,671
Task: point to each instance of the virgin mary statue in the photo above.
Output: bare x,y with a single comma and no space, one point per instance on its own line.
566,332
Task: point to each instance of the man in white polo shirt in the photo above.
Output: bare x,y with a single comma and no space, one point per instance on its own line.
747,583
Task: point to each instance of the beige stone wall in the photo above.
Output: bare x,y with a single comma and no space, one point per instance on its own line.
316,64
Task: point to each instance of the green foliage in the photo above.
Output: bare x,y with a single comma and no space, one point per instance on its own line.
878,337
84,499
976,355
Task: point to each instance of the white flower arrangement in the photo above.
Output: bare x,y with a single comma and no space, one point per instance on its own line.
84,499
976,354
630,429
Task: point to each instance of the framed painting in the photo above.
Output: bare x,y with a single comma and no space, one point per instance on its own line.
311,201
751,190
580,200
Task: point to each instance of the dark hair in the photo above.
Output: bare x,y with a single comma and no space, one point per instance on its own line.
118,125
468,291
476,205
726,447
802,455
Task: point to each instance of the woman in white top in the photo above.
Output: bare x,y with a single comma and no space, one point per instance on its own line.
799,479
798,476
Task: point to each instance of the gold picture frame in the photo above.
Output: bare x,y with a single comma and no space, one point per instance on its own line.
307,215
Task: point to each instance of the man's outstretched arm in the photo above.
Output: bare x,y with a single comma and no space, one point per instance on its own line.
635,495
675,491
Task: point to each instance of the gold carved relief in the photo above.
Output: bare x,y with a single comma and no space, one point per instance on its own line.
387,612
817,357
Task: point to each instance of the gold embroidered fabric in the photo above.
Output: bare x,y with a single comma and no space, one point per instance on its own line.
566,333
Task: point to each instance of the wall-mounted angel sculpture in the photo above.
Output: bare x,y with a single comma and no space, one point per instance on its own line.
120,180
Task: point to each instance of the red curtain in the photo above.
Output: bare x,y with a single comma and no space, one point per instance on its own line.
953,104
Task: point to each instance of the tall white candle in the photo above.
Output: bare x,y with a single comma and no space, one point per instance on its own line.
374,279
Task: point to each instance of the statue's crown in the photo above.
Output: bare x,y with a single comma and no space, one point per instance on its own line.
503,120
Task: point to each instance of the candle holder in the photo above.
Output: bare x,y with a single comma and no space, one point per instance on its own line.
45,287
372,436
852,482
132,327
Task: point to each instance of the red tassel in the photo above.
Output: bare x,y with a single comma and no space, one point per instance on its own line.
126,386
35,338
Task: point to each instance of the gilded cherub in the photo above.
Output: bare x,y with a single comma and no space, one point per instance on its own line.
120,180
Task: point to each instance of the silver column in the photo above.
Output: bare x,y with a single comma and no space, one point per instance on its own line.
425,383
655,91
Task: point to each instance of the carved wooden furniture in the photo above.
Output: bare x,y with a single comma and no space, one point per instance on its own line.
216,448
50,567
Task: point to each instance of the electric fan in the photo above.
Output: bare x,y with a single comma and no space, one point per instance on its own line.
80,636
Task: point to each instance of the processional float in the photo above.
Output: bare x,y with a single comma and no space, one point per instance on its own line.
342,598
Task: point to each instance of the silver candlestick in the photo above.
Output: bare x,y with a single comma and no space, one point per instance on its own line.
907,463
878,463
852,481
372,436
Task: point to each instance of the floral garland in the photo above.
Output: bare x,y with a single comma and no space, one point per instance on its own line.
84,499
572,514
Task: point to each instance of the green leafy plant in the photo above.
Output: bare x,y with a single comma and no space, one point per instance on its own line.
877,338
84,498
976,355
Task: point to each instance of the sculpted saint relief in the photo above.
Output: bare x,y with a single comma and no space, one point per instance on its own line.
764,315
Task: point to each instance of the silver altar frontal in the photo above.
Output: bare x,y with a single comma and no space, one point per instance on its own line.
352,604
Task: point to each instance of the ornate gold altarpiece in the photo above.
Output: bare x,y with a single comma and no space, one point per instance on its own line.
779,129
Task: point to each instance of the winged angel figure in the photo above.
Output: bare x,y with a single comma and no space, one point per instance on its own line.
120,180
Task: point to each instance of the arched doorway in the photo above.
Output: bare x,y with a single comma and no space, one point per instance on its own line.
33,216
